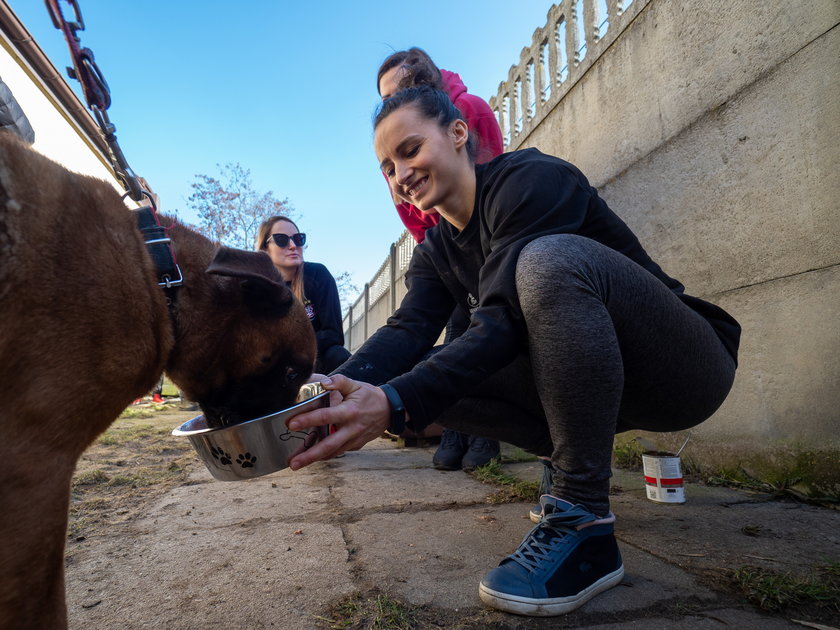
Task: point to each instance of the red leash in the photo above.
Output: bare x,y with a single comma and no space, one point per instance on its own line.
98,97
95,90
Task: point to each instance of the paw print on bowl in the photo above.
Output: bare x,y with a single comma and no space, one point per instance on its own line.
218,453
246,460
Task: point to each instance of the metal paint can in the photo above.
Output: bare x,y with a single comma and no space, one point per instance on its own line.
663,477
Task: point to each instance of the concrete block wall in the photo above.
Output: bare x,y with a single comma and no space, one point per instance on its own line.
712,128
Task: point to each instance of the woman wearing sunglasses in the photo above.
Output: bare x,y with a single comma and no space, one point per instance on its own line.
577,334
311,283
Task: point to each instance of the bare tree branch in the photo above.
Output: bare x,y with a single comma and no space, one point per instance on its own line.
230,210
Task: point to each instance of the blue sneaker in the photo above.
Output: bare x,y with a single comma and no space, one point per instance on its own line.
535,513
559,566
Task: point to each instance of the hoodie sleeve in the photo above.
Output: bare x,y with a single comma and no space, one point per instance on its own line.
411,332
524,201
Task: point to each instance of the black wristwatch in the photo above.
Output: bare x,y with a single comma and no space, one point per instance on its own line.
397,425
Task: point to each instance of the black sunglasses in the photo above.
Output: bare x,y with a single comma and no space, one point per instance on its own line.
282,240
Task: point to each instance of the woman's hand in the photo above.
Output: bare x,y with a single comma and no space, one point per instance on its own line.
361,416
335,395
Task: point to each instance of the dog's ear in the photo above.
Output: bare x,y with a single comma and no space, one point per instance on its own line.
263,288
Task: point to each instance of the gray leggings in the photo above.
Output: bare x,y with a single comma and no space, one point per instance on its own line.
610,348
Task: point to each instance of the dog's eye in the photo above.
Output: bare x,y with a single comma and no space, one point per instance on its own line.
266,360
292,374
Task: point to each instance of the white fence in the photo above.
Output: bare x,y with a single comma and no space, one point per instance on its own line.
380,296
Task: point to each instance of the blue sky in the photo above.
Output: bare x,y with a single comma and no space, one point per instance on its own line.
286,89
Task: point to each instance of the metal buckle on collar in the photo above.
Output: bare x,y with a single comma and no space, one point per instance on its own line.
168,282
158,244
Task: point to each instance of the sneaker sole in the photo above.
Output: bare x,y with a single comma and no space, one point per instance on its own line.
444,467
548,607
471,467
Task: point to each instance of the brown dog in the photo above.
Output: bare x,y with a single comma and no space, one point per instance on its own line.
85,329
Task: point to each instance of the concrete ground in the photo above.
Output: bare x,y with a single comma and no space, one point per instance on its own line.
283,550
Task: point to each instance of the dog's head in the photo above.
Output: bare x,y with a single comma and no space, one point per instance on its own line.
244,345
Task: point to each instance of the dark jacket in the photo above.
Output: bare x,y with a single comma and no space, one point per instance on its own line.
520,197
322,306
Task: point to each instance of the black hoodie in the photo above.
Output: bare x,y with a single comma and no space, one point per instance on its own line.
520,197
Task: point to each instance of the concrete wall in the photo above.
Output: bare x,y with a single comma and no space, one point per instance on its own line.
712,127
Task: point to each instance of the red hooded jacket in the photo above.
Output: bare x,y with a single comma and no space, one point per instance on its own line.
484,128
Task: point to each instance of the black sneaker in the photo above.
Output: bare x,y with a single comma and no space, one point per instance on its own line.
451,451
559,566
535,513
480,452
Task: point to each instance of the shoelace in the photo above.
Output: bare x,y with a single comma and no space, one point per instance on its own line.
479,444
553,532
547,477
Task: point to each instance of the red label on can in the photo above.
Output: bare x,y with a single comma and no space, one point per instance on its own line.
664,482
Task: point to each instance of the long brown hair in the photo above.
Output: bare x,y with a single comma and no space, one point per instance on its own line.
262,245
418,69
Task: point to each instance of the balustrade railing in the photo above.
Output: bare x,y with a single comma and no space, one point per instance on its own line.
380,296
576,33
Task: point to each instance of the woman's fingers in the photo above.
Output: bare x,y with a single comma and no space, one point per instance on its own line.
324,449
338,385
341,384
315,418
360,417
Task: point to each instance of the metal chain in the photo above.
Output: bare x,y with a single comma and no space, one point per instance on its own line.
95,90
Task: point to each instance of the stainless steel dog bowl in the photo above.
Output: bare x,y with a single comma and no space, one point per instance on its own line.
255,447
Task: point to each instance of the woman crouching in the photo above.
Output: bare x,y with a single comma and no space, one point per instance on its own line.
575,334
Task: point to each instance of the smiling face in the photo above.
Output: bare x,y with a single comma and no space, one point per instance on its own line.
426,164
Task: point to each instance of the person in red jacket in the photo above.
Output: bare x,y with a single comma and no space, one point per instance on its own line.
414,67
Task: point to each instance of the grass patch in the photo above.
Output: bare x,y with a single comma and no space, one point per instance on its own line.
90,478
776,591
517,455
129,432
373,612
779,486
142,412
788,471
121,480
628,454
512,488
135,460
169,388
779,483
